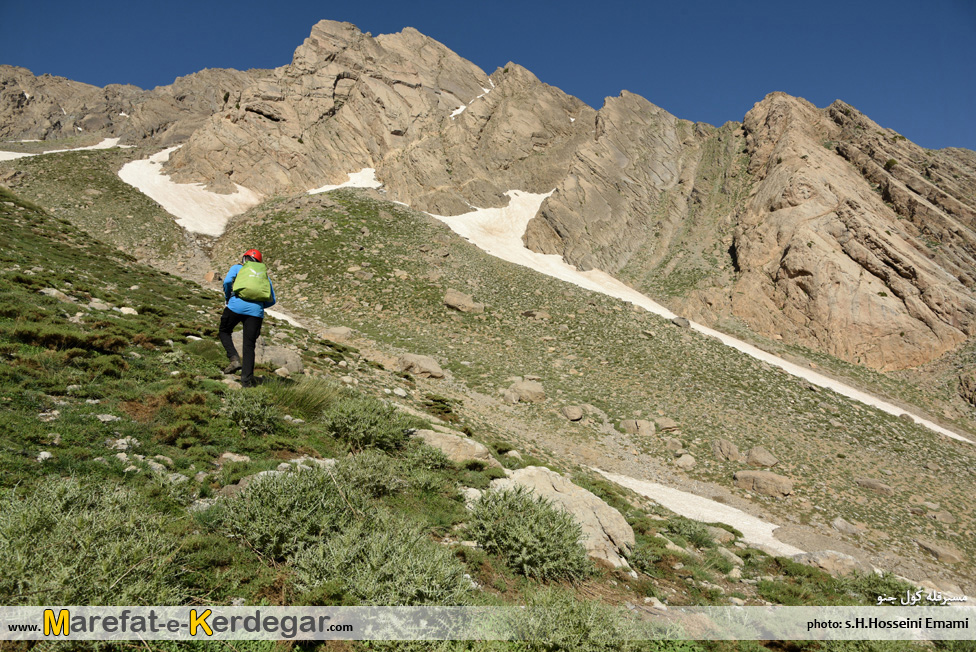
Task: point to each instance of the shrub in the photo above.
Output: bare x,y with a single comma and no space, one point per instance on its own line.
533,537
364,422
421,456
278,514
384,561
889,164
252,411
372,472
309,398
691,531
65,543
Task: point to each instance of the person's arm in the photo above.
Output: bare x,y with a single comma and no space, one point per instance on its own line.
229,282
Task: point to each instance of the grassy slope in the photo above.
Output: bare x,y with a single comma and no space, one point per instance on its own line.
148,370
592,350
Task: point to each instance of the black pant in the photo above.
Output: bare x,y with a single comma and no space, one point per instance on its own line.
252,329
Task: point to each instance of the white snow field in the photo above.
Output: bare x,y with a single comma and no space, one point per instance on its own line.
196,209
365,178
756,532
108,143
282,316
498,231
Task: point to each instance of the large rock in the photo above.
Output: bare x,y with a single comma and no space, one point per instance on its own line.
458,448
572,412
529,391
835,563
637,427
462,302
272,355
606,534
876,486
764,482
759,456
419,365
942,551
723,449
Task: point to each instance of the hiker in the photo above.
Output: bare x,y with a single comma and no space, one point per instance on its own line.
248,292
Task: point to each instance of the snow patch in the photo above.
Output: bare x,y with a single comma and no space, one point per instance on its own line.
26,95
498,231
108,143
458,111
280,315
124,114
755,531
365,178
196,209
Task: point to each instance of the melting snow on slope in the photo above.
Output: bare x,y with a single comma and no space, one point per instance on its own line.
498,231
458,111
282,316
755,531
365,178
196,209
108,143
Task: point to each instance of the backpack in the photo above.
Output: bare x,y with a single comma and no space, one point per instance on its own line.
252,283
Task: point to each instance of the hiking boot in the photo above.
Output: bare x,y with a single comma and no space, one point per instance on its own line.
235,364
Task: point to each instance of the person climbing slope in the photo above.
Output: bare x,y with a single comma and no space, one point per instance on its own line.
248,291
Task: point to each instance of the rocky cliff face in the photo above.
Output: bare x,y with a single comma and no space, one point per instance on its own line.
47,108
812,225
441,134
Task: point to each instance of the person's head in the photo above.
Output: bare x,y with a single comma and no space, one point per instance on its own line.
251,255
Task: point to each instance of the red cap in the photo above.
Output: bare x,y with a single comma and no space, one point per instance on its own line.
253,253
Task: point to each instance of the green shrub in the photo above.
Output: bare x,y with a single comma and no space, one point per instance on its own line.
384,561
889,164
278,514
691,531
364,422
372,472
65,543
533,537
252,411
308,398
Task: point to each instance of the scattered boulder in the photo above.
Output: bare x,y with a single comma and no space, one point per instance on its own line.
731,557
835,563
462,302
723,449
844,527
541,315
664,424
720,535
227,458
271,355
759,456
420,365
56,294
637,427
686,462
681,322
764,482
875,485
606,533
941,551
458,448
44,455
529,391
514,454
471,496
572,412
128,311
337,334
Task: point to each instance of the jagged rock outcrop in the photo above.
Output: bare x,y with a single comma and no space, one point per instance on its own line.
46,107
837,252
394,103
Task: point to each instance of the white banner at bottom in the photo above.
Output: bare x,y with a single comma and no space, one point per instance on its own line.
481,623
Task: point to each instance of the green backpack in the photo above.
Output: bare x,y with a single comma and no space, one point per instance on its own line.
252,283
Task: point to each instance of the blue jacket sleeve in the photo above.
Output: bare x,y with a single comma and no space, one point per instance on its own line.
268,304
229,282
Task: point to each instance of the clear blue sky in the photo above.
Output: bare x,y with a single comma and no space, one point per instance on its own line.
908,64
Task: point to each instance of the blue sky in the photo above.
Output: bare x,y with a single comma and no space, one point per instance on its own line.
908,64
